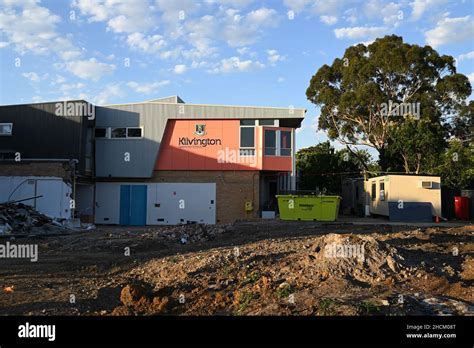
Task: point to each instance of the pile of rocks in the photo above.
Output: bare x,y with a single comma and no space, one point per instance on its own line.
21,219
193,233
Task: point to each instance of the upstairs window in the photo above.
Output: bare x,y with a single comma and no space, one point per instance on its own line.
277,142
100,133
270,143
134,132
6,129
247,138
119,133
285,143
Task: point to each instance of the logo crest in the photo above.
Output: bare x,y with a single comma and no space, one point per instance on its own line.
200,130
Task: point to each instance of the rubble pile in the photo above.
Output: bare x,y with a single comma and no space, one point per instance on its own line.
193,233
20,219
359,257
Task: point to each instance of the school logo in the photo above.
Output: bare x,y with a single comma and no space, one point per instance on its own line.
200,130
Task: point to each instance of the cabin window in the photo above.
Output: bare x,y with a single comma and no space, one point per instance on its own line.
374,191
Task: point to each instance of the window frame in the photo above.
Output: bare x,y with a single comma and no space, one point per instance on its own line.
247,148
11,129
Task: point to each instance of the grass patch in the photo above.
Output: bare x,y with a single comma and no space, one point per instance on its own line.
284,290
251,277
368,307
244,300
326,306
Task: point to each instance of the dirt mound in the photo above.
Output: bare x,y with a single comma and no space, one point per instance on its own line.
138,299
359,257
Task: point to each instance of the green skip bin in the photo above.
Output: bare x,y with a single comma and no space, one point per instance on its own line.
308,208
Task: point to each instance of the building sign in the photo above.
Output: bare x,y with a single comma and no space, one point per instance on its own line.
199,142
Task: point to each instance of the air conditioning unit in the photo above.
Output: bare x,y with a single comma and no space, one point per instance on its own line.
425,184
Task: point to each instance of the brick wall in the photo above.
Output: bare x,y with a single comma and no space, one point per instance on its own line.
33,169
233,189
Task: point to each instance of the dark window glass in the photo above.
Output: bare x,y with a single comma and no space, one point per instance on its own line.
134,132
285,143
247,122
266,122
247,137
270,138
247,152
374,191
270,142
6,128
119,133
100,132
382,186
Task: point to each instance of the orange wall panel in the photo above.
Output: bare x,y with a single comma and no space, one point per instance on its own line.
174,155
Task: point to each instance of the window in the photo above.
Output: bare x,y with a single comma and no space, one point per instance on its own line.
6,129
100,133
134,132
285,143
119,133
270,143
247,122
382,190
374,191
277,143
247,138
266,122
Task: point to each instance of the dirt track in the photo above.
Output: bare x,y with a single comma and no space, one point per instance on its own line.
250,268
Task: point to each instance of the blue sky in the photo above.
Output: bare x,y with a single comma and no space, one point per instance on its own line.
212,52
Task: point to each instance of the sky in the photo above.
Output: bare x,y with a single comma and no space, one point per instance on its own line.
230,52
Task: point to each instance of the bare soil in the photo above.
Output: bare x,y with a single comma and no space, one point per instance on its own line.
248,268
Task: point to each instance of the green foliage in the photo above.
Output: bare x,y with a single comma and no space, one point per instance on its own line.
417,145
457,165
316,165
353,90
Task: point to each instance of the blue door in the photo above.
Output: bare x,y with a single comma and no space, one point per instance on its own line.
133,205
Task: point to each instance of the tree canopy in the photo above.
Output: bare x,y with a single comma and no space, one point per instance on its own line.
366,95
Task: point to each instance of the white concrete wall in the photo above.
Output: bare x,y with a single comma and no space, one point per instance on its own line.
56,193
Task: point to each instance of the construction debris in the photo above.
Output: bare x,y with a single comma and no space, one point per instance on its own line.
192,233
24,219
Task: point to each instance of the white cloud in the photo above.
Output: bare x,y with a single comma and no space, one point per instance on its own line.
89,69
32,28
450,30
121,15
359,32
274,57
471,77
242,30
32,76
147,88
66,88
106,93
147,44
329,20
296,5
179,69
281,79
466,56
234,64
419,7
